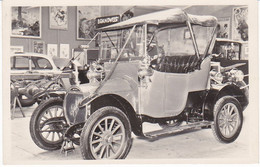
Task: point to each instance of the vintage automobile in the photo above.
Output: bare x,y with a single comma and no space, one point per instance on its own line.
32,73
157,69
232,52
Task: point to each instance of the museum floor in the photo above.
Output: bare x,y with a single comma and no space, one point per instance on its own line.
198,144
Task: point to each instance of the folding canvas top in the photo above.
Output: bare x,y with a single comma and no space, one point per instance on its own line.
175,16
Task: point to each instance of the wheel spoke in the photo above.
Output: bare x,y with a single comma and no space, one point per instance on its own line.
56,110
229,129
59,135
111,124
44,117
228,109
233,126
53,134
106,126
233,115
48,134
98,148
102,152
117,142
61,113
112,148
96,141
47,128
116,128
101,129
51,130
50,113
221,123
117,135
107,151
226,130
221,115
97,134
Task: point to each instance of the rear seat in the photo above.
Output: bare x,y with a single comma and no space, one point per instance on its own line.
177,64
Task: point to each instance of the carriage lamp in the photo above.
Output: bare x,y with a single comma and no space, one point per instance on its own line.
96,73
237,75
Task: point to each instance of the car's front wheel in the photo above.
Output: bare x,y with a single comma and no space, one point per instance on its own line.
228,119
106,135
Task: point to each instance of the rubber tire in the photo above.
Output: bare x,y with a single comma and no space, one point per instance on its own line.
26,102
217,108
34,119
95,117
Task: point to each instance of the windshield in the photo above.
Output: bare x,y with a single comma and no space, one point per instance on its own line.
112,43
178,41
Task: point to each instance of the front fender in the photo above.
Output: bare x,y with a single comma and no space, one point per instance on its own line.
219,91
123,87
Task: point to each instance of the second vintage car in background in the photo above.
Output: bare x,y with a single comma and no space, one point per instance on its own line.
32,72
232,52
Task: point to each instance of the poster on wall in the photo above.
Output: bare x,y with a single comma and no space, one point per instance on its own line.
39,47
240,23
223,28
86,21
52,50
58,17
14,49
65,51
26,22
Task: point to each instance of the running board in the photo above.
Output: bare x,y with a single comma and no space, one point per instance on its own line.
174,130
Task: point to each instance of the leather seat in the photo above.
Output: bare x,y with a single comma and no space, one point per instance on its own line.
177,64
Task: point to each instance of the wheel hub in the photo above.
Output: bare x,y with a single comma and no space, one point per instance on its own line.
107,138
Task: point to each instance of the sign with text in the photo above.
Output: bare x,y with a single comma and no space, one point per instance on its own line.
107,20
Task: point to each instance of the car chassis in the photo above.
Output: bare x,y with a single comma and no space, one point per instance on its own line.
165,89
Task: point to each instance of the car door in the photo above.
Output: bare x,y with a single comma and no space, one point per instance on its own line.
20,67
43,67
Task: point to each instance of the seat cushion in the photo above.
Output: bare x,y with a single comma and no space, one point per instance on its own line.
177,64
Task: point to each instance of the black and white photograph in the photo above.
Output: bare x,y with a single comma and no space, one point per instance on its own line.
171,83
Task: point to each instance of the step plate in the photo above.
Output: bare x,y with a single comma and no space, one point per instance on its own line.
174,130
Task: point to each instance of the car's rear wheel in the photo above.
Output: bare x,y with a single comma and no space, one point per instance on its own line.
228,119
48,124
106,135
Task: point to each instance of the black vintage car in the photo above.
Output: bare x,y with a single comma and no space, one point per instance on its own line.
232,52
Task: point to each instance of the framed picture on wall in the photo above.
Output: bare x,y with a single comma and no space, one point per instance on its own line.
39,47
58,17
86,21
223,28
14,49
65,51
52,50
26,22
240,23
